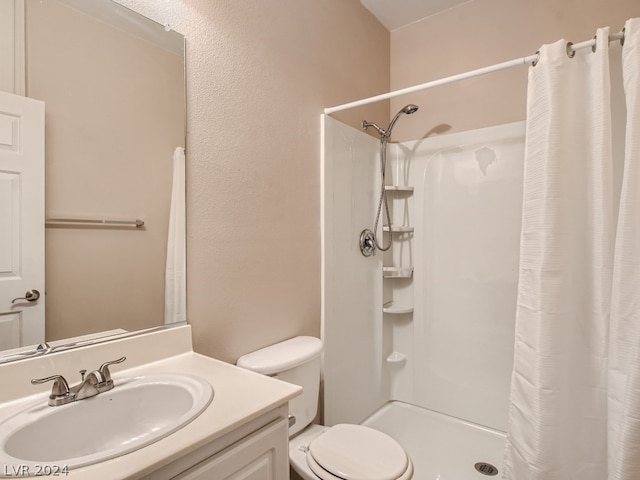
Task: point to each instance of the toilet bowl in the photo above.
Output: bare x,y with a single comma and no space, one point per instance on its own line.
340,452
330,453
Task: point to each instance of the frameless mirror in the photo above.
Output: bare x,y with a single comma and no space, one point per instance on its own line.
113,84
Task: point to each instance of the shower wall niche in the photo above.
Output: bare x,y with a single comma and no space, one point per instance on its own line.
431,321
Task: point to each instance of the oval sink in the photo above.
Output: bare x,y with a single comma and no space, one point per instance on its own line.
135,413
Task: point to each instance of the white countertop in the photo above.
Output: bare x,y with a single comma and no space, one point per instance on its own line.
239,397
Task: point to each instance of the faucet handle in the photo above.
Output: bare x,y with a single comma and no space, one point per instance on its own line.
60,393
104,368
60,385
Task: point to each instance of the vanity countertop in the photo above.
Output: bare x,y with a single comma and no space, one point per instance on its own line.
240,396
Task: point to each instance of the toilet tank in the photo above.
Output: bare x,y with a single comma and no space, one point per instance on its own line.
296,361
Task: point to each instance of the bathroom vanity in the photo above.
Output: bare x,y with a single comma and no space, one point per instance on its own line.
241,434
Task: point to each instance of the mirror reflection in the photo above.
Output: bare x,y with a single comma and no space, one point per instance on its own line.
113,86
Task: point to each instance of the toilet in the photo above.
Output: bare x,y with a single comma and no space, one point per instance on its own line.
341,452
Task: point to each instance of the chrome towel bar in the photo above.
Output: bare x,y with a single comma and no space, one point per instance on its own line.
53,222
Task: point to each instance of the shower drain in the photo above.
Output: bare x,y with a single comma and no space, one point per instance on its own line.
486,468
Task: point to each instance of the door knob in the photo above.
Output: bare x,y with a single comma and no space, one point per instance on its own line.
29,296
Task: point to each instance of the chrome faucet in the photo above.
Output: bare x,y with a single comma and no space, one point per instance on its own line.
98,381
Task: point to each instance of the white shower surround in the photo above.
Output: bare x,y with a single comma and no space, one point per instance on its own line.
466,210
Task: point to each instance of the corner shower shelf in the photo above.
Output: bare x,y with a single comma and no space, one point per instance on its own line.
398,188
394,309
397,358
395,272
397,229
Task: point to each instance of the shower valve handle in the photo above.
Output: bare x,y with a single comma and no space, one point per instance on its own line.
367,243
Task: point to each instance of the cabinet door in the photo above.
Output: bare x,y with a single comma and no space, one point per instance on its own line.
263,455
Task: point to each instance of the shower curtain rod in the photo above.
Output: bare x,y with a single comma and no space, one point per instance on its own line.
531,59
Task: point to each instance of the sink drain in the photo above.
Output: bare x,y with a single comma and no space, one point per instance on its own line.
486,468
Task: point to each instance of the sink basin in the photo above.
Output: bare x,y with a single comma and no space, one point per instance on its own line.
137,412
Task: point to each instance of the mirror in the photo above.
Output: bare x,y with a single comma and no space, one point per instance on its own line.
113,84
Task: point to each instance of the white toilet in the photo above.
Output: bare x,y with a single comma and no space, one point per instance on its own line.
341,452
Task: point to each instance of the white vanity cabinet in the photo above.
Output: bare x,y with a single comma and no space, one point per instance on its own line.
255,451
241,435
261,456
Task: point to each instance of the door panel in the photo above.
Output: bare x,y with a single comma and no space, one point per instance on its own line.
21,220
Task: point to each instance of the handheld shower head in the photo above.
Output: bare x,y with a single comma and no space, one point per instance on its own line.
371,244
408,109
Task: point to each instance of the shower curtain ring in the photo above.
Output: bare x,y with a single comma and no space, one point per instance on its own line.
570,51
535,62
595,43
623,34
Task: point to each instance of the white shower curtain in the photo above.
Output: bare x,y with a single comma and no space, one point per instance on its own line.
574,410
175,283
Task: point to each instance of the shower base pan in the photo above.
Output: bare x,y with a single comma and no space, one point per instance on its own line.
441,447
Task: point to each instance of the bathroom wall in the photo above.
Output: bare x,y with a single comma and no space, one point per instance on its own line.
480,33
258,77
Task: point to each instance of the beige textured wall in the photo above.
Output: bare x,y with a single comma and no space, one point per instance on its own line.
259,74
114,108
482,33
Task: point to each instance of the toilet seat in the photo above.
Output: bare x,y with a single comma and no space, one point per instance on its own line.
355,452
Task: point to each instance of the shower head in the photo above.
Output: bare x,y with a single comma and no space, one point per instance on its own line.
408,109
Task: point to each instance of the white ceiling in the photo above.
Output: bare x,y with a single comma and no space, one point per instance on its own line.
394,14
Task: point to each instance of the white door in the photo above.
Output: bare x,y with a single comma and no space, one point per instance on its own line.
21,221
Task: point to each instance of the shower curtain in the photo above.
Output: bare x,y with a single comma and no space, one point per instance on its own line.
175,277
574,411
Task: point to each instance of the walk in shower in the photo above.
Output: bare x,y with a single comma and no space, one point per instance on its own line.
419,338
508,300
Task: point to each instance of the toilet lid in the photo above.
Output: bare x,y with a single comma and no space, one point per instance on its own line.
354,452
